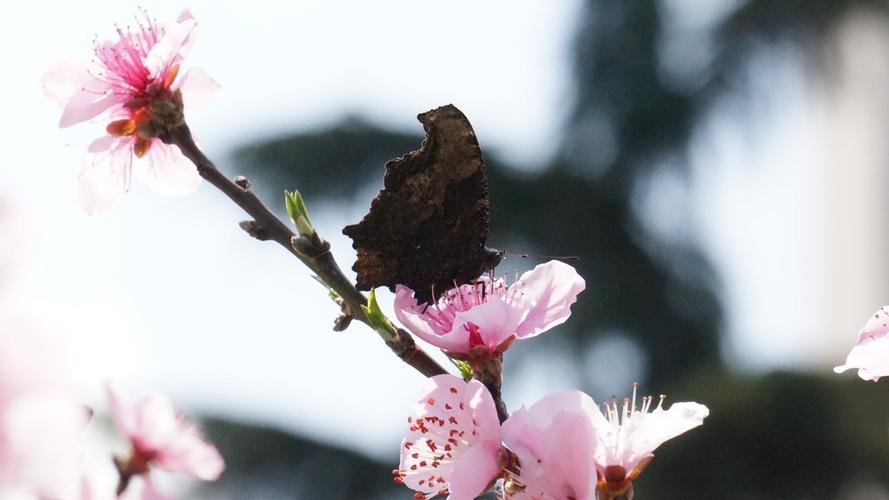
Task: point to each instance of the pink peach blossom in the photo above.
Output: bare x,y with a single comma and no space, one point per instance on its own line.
121,87
454,440
164,438
480,319
41,421
567,448
871,353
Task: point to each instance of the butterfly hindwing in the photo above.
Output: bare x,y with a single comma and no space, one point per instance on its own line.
426,229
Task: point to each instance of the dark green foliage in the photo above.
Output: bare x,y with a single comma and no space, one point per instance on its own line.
267,464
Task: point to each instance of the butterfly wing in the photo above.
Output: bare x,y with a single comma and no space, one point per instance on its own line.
426,229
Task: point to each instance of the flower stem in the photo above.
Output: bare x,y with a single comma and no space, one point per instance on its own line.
314,252
490,373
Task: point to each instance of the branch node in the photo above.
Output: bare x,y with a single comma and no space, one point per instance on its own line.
310,247
342,322
255,230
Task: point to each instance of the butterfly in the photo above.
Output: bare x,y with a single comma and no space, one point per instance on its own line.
427,227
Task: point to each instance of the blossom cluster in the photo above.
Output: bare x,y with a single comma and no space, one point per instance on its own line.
563,447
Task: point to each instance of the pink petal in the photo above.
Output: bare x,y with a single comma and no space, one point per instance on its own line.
198,88
568,455
871,353
40,443
518,433
64,79
86,104
409,314
496,321
548,291
545,410
172,47
83,97
190,455
167,171
555,441
156,423
871,357
646,431
450,406
105,174
121,415
475,470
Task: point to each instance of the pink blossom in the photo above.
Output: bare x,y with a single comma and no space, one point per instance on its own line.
871,353
41,422
567,448
131,85
454,440
484,318
164,438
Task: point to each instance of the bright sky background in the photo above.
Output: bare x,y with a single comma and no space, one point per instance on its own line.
171,295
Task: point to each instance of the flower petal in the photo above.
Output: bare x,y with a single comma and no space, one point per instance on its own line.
198,88
496,321
189,454
172,47
568,456
871,353
475,470
871,357
64,79
155,423
167,171
121,416
548,291
105,174
644,432
410,314
430,456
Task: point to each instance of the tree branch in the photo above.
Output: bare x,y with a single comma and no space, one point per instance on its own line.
312,251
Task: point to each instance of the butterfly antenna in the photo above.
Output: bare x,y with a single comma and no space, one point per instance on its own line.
541,256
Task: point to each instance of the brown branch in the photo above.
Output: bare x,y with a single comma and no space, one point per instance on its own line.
489,372
312,251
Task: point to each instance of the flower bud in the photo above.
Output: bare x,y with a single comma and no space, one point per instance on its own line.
296,209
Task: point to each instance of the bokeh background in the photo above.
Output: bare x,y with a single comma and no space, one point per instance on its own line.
718,166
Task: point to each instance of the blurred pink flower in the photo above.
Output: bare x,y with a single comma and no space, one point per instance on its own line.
98,487
162,437
454,440
41,422
478,320
127,84
558,438
871,353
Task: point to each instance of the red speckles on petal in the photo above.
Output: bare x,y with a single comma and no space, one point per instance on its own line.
442,431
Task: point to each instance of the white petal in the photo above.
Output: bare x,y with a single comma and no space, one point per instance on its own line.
104,174
65,78
871,357
167,171
171,48
646,431
198,88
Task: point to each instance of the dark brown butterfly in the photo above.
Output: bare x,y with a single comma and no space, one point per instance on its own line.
427,227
